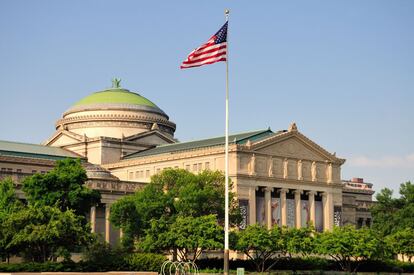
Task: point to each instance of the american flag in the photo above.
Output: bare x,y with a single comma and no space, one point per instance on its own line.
214,50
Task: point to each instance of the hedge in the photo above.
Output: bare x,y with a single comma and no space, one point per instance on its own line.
153,262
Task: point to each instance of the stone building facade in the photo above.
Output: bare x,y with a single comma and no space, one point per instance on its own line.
280,177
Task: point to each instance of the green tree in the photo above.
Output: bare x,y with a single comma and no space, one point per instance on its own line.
124,214
45,232
189,236
402,242
9,203
64,186
261,245
391,214
301,240
348,246
170,194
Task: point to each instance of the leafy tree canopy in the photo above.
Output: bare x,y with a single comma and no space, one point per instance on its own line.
391,214
261,245
170,194
190,236
402,242
347,245
301,240
44,232
9,203
62,187
8,200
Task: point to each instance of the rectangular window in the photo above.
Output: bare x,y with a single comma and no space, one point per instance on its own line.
147,173
9,169
42,172
187,167
136,174
19,170
195,167
3,169
158,170
207,166
131,175
200,167
34,171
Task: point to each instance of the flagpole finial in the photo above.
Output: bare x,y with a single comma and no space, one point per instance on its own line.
226,11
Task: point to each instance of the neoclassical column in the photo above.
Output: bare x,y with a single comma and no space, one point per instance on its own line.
93,219
283,205
298,209
327,204
312,211
268,207
107,223
252,205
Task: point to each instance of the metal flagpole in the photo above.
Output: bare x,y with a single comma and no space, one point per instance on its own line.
226,160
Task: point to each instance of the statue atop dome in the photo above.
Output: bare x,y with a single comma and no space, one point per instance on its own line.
116,83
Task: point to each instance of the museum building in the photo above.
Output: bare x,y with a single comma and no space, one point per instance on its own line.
280,177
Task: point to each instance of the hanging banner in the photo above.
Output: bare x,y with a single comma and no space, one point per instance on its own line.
290,212
276,212
305,213
260,211
337,215
319,216
244,211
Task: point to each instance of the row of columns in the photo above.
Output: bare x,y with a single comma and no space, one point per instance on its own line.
327,206
107,222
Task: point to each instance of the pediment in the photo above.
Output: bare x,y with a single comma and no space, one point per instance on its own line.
63,138
294,145
153,137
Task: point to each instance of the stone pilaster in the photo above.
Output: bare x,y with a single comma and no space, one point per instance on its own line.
330,173
300,170
252,165
285,168
327,204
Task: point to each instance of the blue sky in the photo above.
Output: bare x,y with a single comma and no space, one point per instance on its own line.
342,70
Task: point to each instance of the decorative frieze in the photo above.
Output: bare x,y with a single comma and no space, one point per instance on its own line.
118,186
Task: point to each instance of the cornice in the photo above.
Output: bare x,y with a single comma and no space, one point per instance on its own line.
283,180
243,150
31,161
115,117
178,155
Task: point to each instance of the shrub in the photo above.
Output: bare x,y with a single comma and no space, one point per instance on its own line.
145,261
100,256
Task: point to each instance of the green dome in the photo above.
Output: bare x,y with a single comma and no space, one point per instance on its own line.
115,96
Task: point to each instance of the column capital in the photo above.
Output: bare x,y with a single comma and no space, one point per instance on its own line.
268,189
283,190
298,191
311,193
